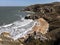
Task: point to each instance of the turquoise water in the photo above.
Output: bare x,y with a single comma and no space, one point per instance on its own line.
10,14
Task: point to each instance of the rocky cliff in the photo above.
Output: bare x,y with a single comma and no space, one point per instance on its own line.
51,13
46,30
44,8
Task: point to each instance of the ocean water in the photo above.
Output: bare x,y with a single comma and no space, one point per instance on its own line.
10,14
12,21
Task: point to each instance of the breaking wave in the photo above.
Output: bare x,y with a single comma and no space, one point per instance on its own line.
19,28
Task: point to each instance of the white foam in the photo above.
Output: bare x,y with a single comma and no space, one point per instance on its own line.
18,29
23,33
7,25
24,23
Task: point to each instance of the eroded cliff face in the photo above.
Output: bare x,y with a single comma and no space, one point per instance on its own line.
50,13
41,26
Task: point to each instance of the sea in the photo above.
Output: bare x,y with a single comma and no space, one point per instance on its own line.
10,14
12,21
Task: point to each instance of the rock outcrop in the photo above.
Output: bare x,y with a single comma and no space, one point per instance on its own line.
51,13
41,26
5,39
44,8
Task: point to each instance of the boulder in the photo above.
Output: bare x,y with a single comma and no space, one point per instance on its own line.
5,39
5,34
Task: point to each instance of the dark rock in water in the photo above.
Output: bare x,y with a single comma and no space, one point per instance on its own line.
28,16
31,17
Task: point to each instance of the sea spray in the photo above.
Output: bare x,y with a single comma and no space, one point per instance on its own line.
23,34
19,28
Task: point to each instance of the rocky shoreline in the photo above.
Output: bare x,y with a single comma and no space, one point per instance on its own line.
45,32
49,12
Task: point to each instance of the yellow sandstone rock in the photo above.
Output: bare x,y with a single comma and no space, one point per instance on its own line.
0,39
41,26
5,34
